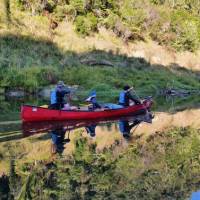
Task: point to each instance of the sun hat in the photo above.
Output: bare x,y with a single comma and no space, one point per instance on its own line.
91,95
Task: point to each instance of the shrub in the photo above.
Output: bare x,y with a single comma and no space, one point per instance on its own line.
110,20
79,5
132,14
37,6
62,11
80,27
86,24
138,19
187,29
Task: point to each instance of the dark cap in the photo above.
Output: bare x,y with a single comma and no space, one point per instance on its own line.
60,84
126,87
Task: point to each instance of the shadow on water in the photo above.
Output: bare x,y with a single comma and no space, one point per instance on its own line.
173,104
167,104
16,130
10,130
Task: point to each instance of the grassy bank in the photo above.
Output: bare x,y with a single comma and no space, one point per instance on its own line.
30,64
162,166
32,55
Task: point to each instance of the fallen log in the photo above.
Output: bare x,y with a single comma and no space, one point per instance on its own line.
93,62
178,92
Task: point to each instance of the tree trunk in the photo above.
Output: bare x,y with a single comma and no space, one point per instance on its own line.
7,11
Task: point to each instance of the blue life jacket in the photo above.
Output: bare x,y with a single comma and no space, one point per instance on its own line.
121,126
54,137
91,130
122,97
53,97
124,127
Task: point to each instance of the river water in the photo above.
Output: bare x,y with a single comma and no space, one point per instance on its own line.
27,144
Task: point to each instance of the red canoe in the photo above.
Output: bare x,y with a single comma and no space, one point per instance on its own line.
34,113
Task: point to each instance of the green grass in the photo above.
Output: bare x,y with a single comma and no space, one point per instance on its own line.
43,63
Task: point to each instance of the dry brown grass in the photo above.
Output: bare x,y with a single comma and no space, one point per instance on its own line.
163,121
66,39
24,150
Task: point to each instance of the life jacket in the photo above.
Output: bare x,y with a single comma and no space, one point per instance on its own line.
91,130
122,97
121,126
124,127
53,97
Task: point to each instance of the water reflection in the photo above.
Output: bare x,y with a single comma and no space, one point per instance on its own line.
31,128
195,195
125,127
57,137
58,129
91,130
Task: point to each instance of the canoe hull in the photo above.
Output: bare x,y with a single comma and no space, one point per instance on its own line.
34,113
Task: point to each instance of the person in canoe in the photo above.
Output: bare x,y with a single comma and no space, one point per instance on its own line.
58,96
93,100
126,96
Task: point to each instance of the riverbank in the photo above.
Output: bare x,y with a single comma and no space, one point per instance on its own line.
145,77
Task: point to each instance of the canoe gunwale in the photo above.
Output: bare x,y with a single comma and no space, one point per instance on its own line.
94,111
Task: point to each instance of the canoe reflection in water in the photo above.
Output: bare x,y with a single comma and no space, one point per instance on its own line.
58,129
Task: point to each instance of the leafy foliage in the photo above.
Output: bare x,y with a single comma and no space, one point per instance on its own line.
168,22
86,25
187,30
